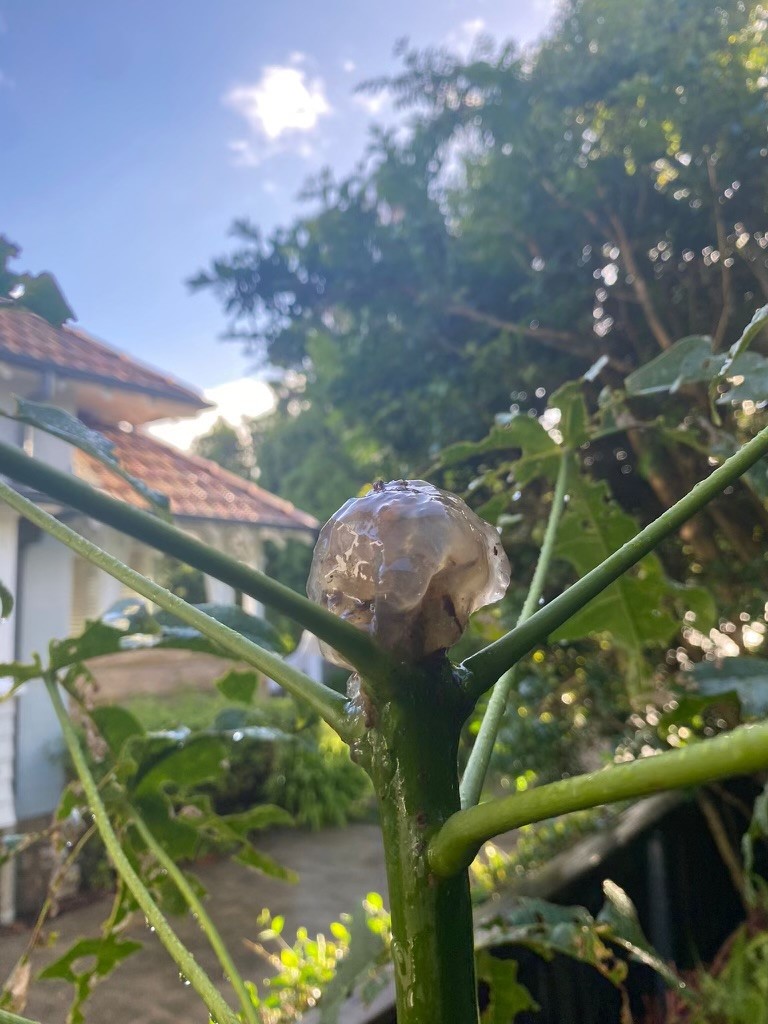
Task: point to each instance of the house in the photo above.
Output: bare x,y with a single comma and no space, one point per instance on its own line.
55,590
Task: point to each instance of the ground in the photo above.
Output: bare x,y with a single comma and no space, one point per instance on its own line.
336,868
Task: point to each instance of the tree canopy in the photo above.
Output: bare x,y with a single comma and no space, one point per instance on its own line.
601,195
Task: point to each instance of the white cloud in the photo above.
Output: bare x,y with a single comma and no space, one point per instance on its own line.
284,100
462,40
373,104
232,402
349,66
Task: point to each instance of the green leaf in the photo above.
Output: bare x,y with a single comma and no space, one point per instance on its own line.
6,601
539,454
183,765
96,639
633,610
747,676
690,360
758,322
755,887
238,685
547,929
362,958
68,428
21,672
117,726
250,857
108,952
620,917
507,996
748,375
178,835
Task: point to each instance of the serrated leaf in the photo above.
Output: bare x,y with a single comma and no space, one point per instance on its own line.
690,360
108,953
507,996
96,639
6,601
63,425
539,453
547,929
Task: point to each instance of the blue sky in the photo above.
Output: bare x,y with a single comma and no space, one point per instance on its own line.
134,133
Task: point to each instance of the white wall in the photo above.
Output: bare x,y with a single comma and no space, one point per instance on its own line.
8,551
45,590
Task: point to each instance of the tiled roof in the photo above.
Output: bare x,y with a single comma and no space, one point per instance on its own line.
197,488
28,340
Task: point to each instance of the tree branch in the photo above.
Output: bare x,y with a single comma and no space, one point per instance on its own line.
485,667
354,645
722,247
740,752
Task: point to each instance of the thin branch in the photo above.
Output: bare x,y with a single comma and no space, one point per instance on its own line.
564,341
639,284
740,752
200,914
183,958
479,759
486,666
722,247
331,706
355,646
724,848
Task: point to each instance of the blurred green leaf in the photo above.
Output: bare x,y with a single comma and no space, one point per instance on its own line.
689,361
745,676
184,764
69,428
117,726
507,997
108,953
238,685
6,601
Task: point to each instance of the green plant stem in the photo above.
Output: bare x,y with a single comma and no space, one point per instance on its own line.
480,757
410,755
329,704
487,665
13,1018
739,752
356,647
183,958
218,945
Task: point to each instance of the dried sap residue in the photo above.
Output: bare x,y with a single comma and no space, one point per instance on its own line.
407,563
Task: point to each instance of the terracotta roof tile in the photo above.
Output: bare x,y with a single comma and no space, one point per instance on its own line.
197,488
28,340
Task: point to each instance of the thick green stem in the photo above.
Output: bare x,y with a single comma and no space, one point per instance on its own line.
330,705
739,752
411,757
357,647
184,960
480,757
485,667
200,914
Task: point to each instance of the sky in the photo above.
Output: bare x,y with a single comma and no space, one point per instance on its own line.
134,134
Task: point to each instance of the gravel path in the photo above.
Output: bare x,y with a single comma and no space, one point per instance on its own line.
336,868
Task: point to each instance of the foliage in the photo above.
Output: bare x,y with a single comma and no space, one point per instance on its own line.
39,293
353,957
